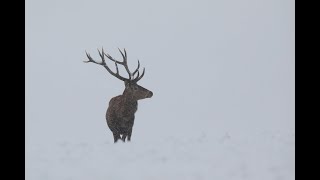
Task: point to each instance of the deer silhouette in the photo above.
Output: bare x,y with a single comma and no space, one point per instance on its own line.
120,113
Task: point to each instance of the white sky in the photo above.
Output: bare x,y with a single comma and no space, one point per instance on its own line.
215,67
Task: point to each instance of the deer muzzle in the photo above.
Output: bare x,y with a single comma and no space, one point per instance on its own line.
149,94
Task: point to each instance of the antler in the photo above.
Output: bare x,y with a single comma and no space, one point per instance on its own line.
116,62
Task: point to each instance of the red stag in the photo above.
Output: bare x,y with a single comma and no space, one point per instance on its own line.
121,110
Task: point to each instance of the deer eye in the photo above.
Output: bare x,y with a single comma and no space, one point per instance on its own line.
135,88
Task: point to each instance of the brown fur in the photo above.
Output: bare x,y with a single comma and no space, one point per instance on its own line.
121,110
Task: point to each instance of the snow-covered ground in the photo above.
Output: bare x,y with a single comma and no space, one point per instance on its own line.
222,74
227,156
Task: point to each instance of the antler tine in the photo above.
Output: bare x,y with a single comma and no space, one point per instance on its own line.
112,59
104,64
90,59
124,56
139,77
136,69
101,54
125,62
117,75
116,67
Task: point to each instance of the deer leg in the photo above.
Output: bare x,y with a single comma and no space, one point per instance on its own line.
129,134
124,137
116,136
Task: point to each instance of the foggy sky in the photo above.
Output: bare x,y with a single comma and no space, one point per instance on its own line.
215,67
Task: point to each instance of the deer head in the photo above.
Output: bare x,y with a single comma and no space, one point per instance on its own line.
132,90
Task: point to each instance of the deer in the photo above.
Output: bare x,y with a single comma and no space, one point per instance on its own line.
121,111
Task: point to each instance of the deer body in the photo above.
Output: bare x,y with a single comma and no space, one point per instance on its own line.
120,113
120,117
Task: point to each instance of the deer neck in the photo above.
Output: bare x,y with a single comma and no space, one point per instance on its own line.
129,98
